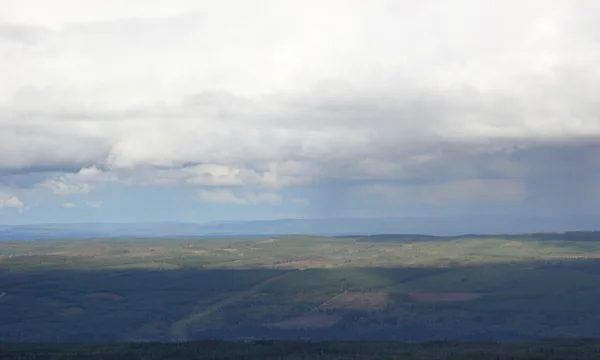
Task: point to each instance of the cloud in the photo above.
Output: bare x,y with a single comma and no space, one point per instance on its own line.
229,197
68,205
95,204
278,94
12,202
61,186
81,182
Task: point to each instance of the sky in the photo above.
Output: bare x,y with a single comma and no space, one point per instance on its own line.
177,110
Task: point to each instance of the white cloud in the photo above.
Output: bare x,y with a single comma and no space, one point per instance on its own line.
229,197
274,93
61,186
12,202
68,205
81,182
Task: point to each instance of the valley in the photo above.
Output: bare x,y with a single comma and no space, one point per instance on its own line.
392,287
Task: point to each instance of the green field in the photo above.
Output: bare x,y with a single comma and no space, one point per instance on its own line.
393,287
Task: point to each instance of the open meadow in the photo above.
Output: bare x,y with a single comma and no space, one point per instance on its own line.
392,287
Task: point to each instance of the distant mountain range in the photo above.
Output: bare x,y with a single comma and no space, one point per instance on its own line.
343,226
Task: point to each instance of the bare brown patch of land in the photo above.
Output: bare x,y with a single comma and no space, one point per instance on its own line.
105,296
443,296
83,252
303,264
268,241
314,320
138,254
371,301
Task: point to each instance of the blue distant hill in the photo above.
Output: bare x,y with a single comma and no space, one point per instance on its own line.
344,226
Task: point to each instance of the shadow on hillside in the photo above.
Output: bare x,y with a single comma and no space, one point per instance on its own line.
518,300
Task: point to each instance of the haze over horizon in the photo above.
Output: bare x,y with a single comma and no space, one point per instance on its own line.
198,111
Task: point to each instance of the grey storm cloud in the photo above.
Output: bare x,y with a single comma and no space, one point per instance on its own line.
275,94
